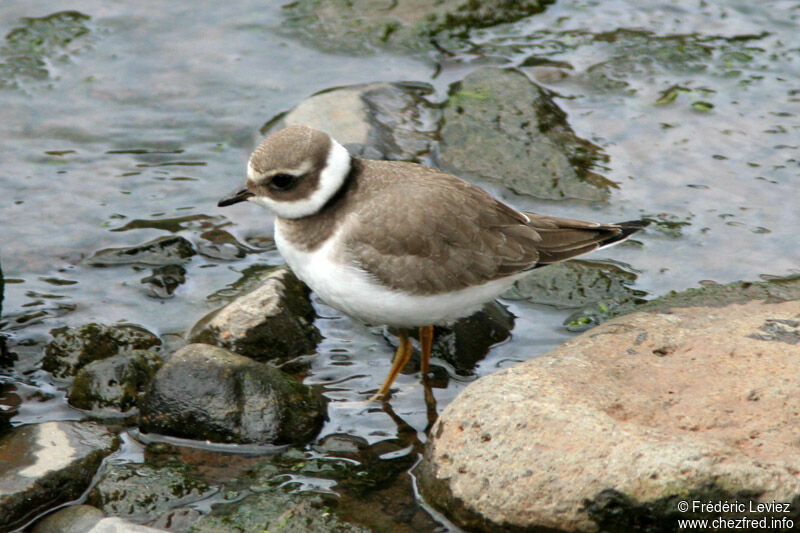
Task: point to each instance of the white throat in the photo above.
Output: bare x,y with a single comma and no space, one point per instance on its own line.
331,178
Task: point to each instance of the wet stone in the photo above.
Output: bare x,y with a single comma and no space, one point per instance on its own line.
44,465
364,25
87,519
596,289
143,494
501,126
274,321
208,393
112,386
73,348
32,49
9,404
164,280
170,250
391,121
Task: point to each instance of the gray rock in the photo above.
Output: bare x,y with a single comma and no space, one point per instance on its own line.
274,321
596,289
87,519
612,429
501,126
73,348
378,121
72,519
143,494
206,392
275,511
2,289
111,387
170,250
44,465
363,25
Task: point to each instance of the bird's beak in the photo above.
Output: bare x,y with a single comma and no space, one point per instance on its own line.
236,197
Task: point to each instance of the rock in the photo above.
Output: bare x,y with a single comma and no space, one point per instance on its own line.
364,25
274,506
34,50
112,386
596,288
204,392
501,126
164,280
72,348
87,519
72,519
274,321
275,511
9,405
170,250
378,121
613,428
2,290
44,465
143,494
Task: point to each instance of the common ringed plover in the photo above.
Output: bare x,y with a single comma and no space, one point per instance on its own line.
401,244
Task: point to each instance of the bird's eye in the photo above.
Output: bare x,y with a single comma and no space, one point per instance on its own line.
281,182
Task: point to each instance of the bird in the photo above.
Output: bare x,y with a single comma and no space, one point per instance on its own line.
398,243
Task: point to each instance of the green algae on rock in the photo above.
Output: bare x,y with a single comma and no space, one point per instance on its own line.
501,126
366,25
73,348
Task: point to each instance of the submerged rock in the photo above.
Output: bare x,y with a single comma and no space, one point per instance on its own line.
164,280
170,250
143,494
44,465
358,25
501,126
87,519
615,427
112,386
73,348
274,321
208,393
378,121
31,50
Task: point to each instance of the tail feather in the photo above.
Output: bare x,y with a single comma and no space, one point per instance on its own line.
569,238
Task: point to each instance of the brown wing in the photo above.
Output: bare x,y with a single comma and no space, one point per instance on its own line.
444,234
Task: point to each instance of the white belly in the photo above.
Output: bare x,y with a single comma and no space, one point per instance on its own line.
356,293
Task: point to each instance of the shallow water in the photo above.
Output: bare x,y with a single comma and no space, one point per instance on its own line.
149,117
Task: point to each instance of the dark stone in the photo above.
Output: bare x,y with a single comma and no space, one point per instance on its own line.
208,393
113,385
164,280
73,348
9,404
143,494
44,465
170,250
501,126
274,321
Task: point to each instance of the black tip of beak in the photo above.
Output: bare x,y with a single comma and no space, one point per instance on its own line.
235,198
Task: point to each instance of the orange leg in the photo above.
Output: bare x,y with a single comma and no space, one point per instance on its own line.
425,342
402,356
